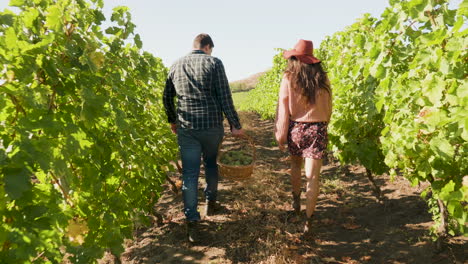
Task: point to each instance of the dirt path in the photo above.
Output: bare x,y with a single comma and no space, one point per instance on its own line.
256,224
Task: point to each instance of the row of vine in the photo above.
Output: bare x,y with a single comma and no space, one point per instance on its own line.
84,143
400,100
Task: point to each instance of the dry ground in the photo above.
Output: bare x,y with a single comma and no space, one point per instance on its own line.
256,224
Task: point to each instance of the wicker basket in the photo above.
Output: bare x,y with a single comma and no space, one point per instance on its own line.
237,172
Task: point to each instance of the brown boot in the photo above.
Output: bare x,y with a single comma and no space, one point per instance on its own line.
212,207
297,203
308,225
193,231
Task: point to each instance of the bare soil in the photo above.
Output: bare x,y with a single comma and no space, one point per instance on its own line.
256,224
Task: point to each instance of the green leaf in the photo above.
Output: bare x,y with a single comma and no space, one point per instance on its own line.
17,181
442,147
453,206
18,3
138,42
54,18
448,188
11,40
433,87
99,17
29,17
463,4
379,104
100,3
458,24
456,195
113,30
118,14
464,134
462,91
6,18
444,66
3,157
378,71
121,122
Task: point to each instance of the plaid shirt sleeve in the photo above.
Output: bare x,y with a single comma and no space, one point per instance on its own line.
168,100
224,95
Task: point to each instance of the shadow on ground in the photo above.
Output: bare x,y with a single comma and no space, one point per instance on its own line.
257,224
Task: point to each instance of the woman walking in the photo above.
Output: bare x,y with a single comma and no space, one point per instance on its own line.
303,113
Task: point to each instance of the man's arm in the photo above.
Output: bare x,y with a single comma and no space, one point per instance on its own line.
224,95
168,101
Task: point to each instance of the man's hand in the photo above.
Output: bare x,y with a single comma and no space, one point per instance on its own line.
174,128
238,132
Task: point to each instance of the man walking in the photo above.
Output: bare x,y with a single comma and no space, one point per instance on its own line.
203,95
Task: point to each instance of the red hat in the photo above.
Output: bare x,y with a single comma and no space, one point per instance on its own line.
303,51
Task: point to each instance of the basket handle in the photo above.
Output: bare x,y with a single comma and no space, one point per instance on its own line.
252,144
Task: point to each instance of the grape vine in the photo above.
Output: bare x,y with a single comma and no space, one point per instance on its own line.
84,143
400,98
263,98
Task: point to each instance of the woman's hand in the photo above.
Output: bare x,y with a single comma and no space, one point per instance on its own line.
282,146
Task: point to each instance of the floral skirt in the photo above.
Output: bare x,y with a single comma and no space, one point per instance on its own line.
308,140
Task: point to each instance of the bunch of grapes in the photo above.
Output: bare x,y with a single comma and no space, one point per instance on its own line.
236,158
76,231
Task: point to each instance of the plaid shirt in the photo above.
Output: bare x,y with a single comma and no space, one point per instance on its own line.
203,94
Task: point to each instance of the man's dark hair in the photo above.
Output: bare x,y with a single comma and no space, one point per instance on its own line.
202,40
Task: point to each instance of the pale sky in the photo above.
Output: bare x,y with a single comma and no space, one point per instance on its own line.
245,32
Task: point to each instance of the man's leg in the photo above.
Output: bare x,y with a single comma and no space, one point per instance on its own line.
211,139
190,152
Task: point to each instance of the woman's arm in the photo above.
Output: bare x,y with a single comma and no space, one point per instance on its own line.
282,112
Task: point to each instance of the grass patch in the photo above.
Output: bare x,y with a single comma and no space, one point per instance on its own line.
332,186
239,98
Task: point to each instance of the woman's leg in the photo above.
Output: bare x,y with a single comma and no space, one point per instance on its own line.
312,171
296,166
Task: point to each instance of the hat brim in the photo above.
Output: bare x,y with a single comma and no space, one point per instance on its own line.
305,58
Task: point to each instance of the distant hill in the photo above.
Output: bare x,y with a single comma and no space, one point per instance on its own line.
246,84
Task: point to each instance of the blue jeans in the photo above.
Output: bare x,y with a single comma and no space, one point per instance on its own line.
193,144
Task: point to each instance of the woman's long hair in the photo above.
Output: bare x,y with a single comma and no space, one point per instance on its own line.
307,78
